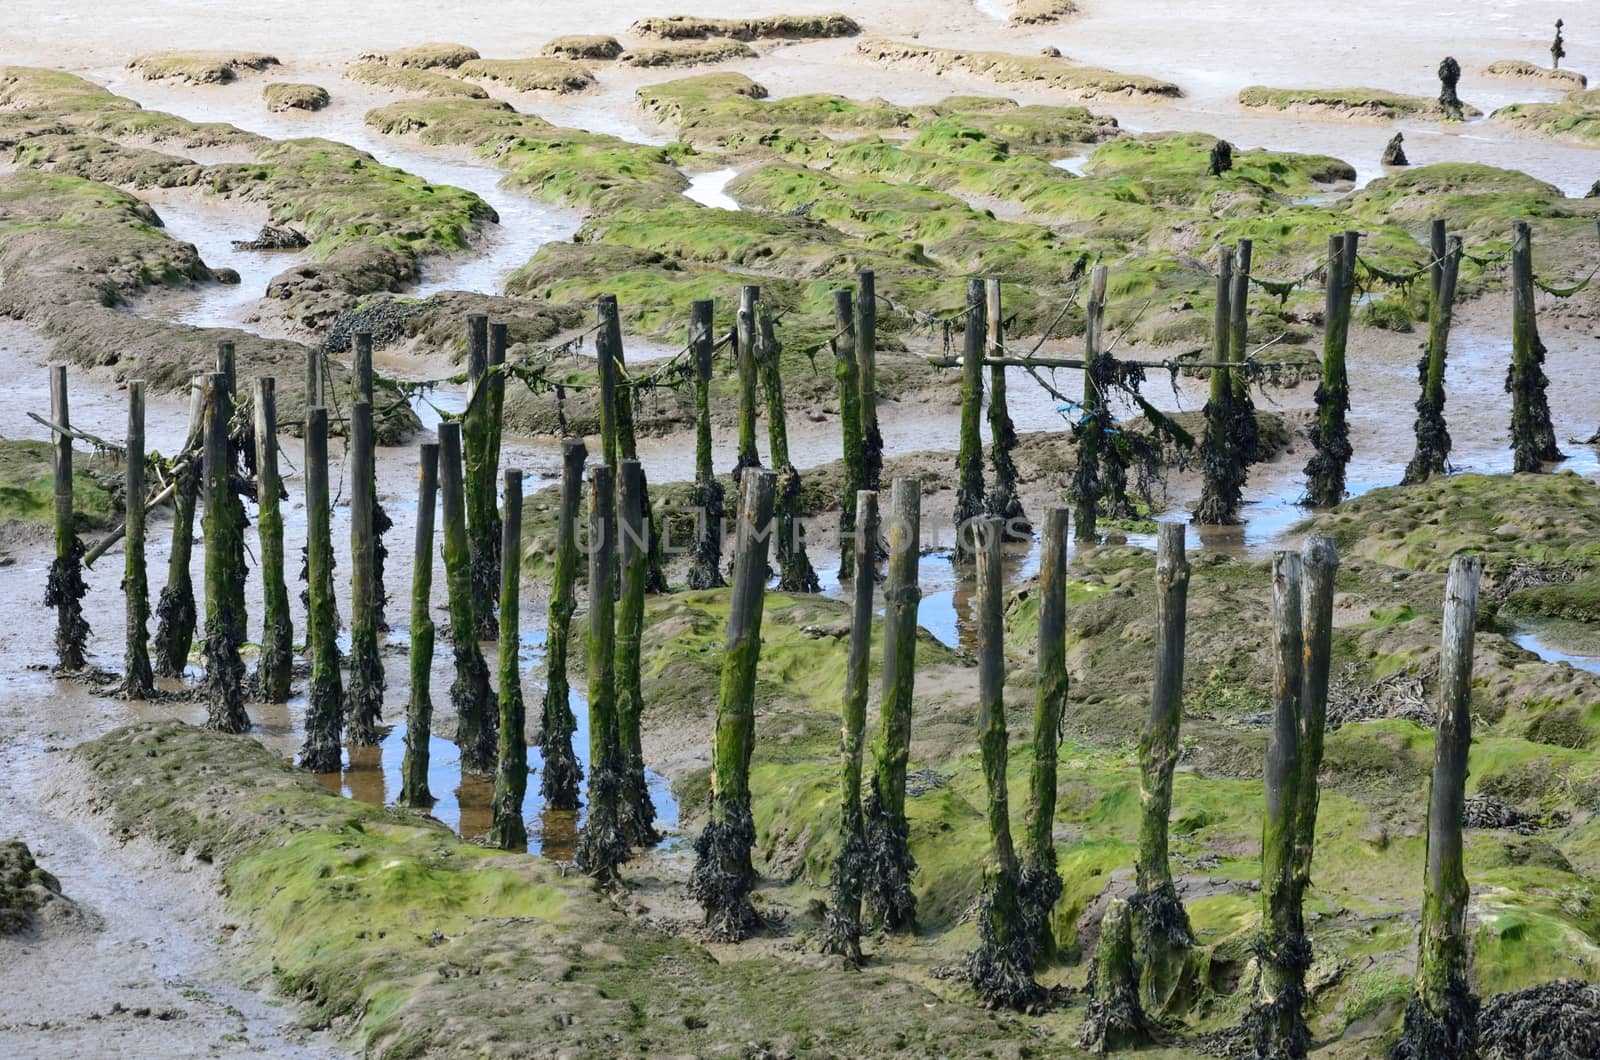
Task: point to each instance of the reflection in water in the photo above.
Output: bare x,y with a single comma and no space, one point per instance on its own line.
1578,643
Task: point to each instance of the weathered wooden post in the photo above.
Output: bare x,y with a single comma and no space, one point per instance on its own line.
499,343
745,338
1222,487
867,358
602,846
275,667
795,573
364,700
1114,1021
138,680
969,458
842,931
1319,564
414,790
1003,500
508,832
470,694
626,446
1432,454
633,534
890,864
558,783
1086,487
361,360
1325,471
1041,882
723,874
224,668
1246,431
1160,920
483,514
313,376
64,590
235,567
1441,1018
1533,437
705,571
175,611
320,752
1278,1013
846,372
1001,968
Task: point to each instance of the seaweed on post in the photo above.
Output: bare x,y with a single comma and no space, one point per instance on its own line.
324,711
1223,485
602,845
1330,435
483,514
1004,500
969,457
745,339
64,587
866,302
224,540
633,532
558,783
846,373
138,680
275,667
795,573
364,700
176,616
414,790
508,832
1533,436
705,570
470,693
1115,1021
1041,881
1432,455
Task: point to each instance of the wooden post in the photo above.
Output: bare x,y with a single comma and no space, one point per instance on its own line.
626,446
888,884
64,590
508,832
235,567
842,930
414,790
1319,564
1440,1020
274,670
969,459
1159,917
470,694
361,363
867,357
320,752
1246,432
1115,1021
558,783
1325,471
1086,486
606,375
705,571
602,846
499,343
483,515
224,668
1003,500
1041,882
795,573
175,610
313,376
1278,1014
1223,482
138,680
745,332
1533,437
364,703
633,531
1432,453
723,876
847,374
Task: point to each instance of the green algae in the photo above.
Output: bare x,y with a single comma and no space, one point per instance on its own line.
285,95
1004,68
1347,102
416,79
27,488
199,68
539,74
1575,118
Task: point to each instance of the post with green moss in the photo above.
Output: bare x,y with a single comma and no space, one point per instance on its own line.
890,865
1441,1018
364,703
602,846
1223,483
705,570
361,344
414,790
1086,487
1001,968
138,680
638,812
175,610
627,444
1004,500
64,589
969,458
224,669
1114,1021
508,832
1330,435
470,694
558,783
275,668
483,514
1041,881
867,357
795,573
1246,431
846,372
1533,436
1432,454
324,713
235,566
499,343
745,338
1319,564
723,875
842,930
1161,923
1277,1016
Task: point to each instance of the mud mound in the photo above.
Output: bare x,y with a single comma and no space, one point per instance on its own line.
26,890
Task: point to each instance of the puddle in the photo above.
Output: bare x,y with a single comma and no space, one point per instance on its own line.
709,189
1555,641
1074,164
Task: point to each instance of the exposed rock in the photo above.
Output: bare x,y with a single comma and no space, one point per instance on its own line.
773,27
1449,102
285,95
273,237
694,53
199,68
583,46
1394,154
424,56
1522,70
25,889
